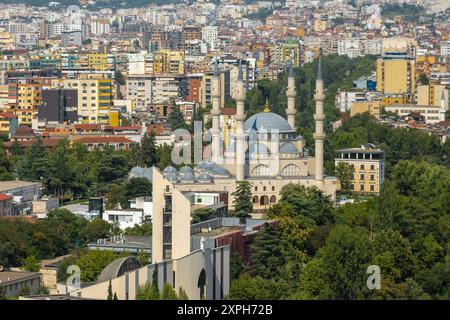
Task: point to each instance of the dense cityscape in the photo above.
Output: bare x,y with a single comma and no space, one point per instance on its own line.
225,150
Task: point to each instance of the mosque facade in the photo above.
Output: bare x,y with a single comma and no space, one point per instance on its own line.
264,150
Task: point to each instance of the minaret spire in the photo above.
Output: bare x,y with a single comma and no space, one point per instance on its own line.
240,117
443,108
319,134
291,93
215,113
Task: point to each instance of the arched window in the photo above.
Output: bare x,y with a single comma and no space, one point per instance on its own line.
273,199
264,200
202,283
255,199
291,170
260,171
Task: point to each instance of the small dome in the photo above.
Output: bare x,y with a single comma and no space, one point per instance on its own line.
267,121
203,165
141,172
288,148
205,177
169,169
171,176
185,169
187,177
258,149
220,171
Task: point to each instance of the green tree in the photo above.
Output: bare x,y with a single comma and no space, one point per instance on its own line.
31,263
340,266
242,203
32,166
176,119
237,266
308,206
164,153
148,156
97,229
344,174
266,258
110,293
182,295
93,262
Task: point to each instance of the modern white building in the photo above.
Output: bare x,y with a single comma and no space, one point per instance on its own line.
125,218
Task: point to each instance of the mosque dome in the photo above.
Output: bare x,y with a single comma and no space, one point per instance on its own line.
187,177
219,171
169,169
185,169
256,149
288,148
205,177
171,176
267,121
203,165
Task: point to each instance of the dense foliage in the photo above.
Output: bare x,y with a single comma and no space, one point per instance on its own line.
23,241
317,251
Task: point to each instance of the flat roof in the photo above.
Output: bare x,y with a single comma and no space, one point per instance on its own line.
360,150
16,184
7,277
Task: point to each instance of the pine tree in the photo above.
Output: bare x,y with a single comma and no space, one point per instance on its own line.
110,294
176,119
266,253
115,296
32,166
243,199
182,295
147,155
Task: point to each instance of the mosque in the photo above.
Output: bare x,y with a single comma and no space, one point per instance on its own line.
263,149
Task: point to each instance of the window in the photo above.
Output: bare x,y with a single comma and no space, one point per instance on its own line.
291,170
361,187
361,176
256,188
372,167
273,188
372,177
372,187
260,171
361,167
264,188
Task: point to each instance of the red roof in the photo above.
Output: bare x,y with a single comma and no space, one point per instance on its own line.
87,126
104,139
123,128
4,197
7,115
48,142
228,111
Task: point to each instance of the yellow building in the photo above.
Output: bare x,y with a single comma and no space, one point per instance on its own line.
396,75
395,99
368,166
168,62
95,99
25,99
430,95
373,107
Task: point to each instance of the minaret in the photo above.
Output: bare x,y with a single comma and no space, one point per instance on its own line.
240,117
291,93
215,114
443,109
319,135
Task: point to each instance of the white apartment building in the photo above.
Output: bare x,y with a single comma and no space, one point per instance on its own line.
445,48
125,218
349,47
344,100
432,114
210,35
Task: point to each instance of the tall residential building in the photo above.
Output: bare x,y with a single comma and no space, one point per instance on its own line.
210,34
396,74
368,167
206,88
168,62
25,99
95,97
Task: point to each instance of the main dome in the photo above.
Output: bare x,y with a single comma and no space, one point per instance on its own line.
267,121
